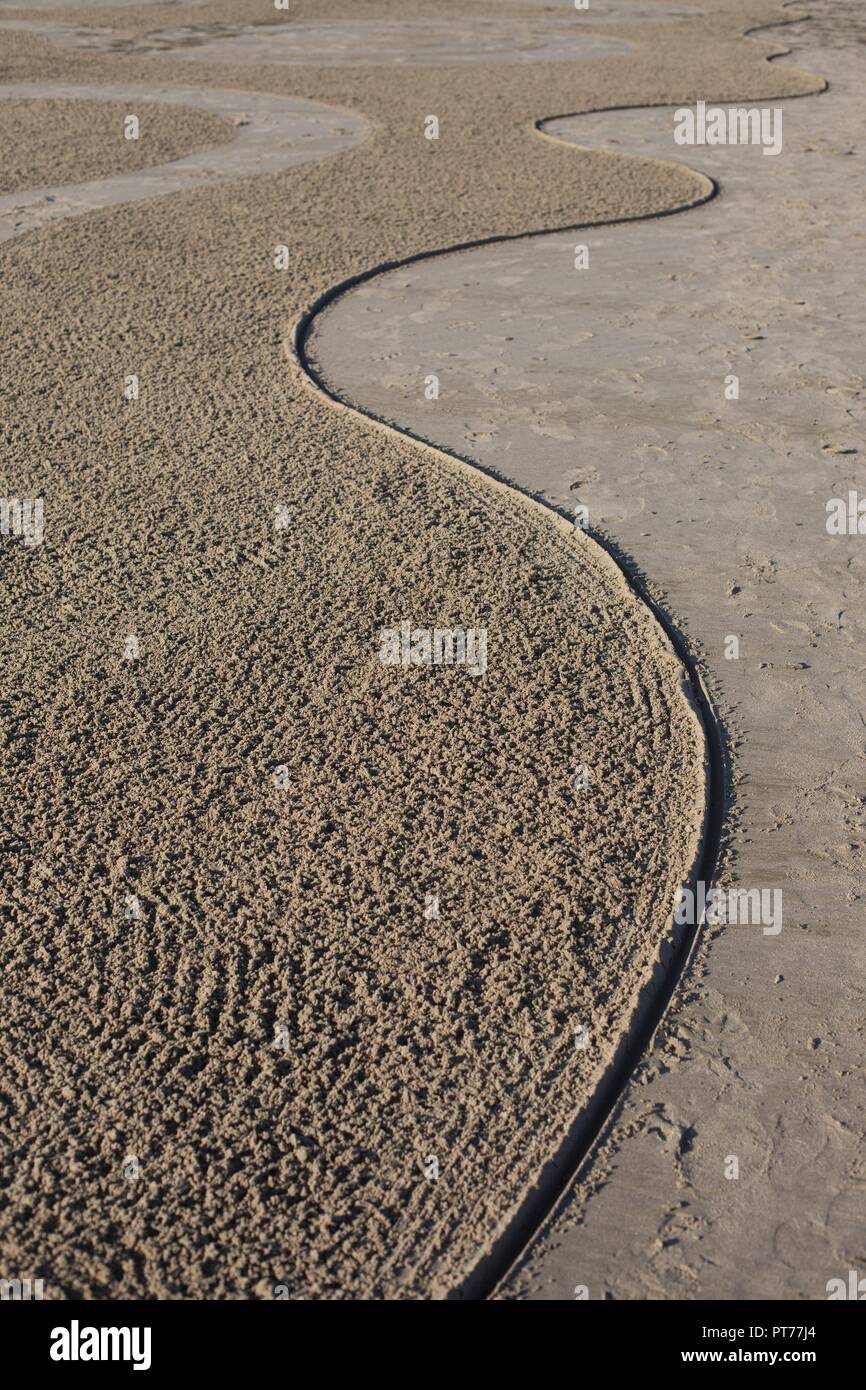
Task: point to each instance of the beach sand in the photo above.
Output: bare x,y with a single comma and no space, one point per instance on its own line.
606,386
51,141
238,1030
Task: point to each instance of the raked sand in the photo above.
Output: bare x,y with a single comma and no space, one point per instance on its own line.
235,1039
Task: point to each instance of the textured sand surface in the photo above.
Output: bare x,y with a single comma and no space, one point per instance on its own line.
52,140
270,133
163,1140
606,386
763,1054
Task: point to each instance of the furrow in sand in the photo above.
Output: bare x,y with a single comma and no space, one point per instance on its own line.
650,984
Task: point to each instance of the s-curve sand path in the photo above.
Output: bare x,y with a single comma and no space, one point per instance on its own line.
606,386
287,925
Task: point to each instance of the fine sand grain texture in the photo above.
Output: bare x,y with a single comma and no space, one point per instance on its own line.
285,924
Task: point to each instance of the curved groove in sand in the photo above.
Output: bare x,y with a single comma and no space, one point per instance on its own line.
654,992
272,133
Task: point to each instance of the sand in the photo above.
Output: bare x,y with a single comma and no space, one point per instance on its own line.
49,140
762,1057
240,1080
263,134
606,386
363,42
